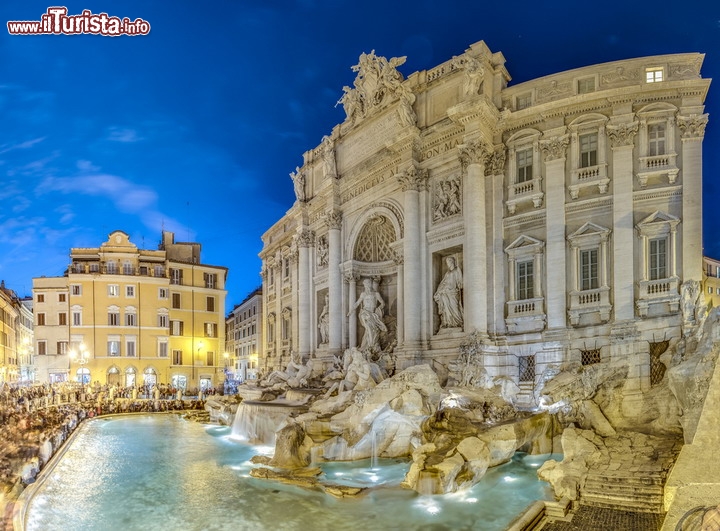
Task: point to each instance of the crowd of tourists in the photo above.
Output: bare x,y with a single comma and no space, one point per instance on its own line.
35,420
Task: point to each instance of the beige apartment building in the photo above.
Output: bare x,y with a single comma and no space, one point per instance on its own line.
711,280
15,338
551,221
129,316
244,336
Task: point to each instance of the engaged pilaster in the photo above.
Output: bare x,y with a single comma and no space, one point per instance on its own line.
333,219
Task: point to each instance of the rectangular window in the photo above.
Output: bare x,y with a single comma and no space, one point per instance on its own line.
210,305
130,319
111,268
210,360
76,289
41,319
113,319
176,276
130,348
523,101
128,269
210,329
159,271
163,293
113,290
61,297
144,270
710,290
524,280
653,75
94,267
162,321
286,268
77,318
130,292
210,280
62,319
42,348
526,368
41,297
62,347
588,150
586,85
286,329
177,357
656,139
589,269
162,349
176,300
524,161
176,328
658,258
113,348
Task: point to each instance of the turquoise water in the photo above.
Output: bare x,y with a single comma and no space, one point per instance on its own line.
162,472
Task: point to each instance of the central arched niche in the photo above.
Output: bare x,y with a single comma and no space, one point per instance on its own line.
373,258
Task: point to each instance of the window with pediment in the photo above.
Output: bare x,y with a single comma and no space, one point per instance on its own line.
657,159
588,156
659,284
589,290
525,182
373,243
525,308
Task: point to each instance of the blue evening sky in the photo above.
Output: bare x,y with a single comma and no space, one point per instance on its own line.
196,126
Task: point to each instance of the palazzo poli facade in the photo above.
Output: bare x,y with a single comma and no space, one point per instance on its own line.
552,221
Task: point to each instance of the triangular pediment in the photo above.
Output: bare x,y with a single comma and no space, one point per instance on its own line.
658,217
589,229
523,242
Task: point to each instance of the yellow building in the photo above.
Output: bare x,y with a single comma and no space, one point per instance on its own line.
9,335
137,316
711,280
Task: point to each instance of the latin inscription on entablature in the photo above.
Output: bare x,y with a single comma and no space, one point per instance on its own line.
366,141
366,185
438,149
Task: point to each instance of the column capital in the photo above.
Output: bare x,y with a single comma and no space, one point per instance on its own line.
693,126
473,152
398,256
554,148
304,237
412,178
333,219
622,135
351,277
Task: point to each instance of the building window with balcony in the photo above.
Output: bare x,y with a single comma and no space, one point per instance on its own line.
524,170
111,268
524,162
656,145
588,156
94,267
656,139
659,283
159,271
589,291
525,308
128,268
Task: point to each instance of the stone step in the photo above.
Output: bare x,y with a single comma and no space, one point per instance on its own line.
599,486
635,479
622,503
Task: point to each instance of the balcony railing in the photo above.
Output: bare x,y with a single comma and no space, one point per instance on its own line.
525,315
587,178
589,301
661,288
658,165
526,191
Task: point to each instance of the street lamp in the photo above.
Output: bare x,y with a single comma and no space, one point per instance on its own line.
81,358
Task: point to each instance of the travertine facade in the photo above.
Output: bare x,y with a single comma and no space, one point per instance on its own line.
551,221
142,316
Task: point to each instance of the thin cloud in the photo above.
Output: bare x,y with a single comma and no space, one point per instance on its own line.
117,134
22,145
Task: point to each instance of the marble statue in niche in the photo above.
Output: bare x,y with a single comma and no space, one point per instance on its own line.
372,308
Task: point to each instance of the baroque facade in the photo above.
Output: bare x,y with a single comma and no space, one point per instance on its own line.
557,220
132,316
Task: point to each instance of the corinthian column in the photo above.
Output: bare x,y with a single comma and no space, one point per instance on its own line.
304,239
693,131
351,279
334,220
472,160
554,150
412,180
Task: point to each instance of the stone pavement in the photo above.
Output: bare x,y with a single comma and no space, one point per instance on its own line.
588,518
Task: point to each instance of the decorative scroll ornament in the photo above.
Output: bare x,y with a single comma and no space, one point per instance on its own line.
412,179
693,126
333,219
473,152
377,79
555,147
622,134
